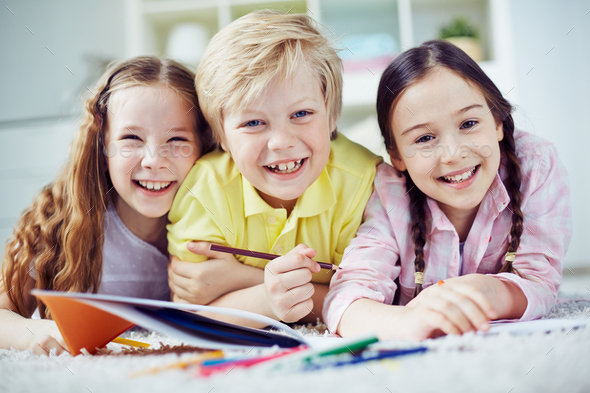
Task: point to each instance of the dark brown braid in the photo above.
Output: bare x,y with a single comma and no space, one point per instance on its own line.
512,184
406,70
418,213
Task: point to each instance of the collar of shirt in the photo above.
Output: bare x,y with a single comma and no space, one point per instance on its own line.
494,202
319,197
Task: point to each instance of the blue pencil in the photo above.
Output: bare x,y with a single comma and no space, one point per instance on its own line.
367,357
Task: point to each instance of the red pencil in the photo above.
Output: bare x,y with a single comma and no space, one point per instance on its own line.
262,255
206,370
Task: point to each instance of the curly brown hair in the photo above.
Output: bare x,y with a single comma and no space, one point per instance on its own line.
61,233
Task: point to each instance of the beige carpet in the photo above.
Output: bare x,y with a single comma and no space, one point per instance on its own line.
506,363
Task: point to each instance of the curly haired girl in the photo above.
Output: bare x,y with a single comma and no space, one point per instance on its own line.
101,225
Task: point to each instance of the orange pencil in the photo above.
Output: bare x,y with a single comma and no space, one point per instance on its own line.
262,255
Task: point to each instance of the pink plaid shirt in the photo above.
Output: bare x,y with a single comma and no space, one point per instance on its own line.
383,249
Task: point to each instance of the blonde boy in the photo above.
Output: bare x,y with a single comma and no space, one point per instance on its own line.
270,86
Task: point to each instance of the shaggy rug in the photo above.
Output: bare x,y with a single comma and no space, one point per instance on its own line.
505,362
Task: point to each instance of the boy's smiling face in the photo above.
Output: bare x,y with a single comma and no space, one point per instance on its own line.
281,142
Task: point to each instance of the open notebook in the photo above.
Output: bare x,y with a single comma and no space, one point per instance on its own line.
91,321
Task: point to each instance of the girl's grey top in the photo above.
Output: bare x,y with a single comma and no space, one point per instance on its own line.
130,266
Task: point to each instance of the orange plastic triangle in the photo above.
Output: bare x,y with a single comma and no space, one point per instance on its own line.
82,325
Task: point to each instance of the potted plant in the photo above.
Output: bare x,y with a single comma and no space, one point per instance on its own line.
462,34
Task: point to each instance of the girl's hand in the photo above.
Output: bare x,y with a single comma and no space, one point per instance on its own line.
460,305
201,283
287,281
45,338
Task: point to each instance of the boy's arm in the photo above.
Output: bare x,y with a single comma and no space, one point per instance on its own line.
201,283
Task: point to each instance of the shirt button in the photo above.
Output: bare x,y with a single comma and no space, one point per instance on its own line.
271,220
278,249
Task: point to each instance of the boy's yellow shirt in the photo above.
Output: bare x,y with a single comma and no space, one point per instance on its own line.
215,203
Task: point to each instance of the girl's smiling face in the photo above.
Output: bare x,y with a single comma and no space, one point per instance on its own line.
151,145
281,142
447,139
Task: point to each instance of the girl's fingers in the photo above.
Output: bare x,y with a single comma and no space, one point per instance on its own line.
451,313
48,345
479,299
62,343
468,307
441,322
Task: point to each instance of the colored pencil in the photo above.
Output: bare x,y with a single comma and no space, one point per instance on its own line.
133,343
182,364
262,255
356,345
212,367
366,357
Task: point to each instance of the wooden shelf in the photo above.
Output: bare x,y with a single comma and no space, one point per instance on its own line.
410,22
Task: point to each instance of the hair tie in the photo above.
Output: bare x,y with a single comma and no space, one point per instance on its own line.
510,256
419,277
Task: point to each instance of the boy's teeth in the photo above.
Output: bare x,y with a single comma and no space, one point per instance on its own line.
156,186
150,185
286,167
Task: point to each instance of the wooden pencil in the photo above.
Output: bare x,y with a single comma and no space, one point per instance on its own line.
262,255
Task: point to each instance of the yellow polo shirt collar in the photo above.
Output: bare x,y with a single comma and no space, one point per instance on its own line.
319,197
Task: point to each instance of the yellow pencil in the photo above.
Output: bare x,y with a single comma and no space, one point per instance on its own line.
133,343
182,364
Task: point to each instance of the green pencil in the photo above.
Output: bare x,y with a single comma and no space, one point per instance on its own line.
355,345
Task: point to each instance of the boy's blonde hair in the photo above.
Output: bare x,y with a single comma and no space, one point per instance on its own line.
244,58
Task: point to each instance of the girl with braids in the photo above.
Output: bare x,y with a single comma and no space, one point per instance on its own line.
472,205
101,225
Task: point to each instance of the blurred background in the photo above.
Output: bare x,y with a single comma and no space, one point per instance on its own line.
52,52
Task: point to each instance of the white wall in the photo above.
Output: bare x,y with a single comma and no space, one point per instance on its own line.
39,97
553,100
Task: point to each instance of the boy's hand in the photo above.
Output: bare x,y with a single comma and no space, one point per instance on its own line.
287,281
45,338
458,306
201,283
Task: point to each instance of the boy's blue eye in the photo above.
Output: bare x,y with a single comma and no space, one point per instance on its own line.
301,114
425,138
177,139
468,124
253,123
131,136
